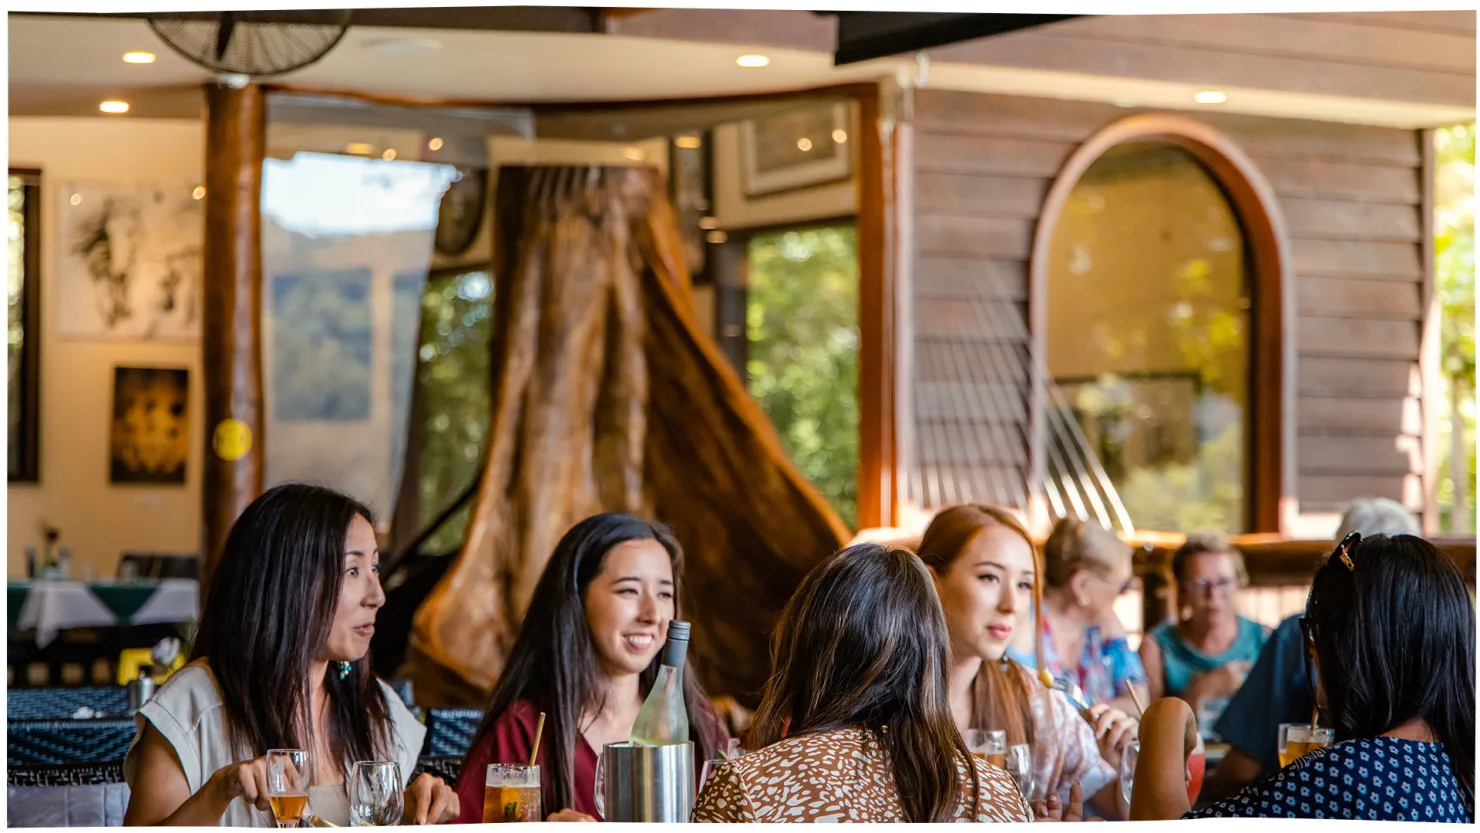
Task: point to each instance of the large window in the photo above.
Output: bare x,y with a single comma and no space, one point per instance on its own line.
455,393
1149,330
23,203
802,354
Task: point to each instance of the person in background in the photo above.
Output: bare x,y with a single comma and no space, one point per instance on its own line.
855,721
1278,689
1086,568
280,662
587,655
986,570
1207,653
1389,632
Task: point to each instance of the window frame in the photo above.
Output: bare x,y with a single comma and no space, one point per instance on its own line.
27,469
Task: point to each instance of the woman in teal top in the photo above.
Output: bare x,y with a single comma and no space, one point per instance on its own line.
1208,652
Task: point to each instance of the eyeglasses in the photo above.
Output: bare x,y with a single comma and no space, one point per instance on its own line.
1121,589
1203,587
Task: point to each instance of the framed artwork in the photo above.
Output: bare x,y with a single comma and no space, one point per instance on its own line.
149,440
795,149
130,262
24,318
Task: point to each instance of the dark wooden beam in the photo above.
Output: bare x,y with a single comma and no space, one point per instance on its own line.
236,129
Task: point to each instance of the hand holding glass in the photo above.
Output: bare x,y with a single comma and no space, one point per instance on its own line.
288,777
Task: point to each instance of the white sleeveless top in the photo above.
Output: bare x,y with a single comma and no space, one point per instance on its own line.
188,712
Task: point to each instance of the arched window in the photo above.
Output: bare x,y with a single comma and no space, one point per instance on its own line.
1159,289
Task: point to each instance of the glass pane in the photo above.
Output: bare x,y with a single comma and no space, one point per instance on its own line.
16,202
455,378
802,323
1149,335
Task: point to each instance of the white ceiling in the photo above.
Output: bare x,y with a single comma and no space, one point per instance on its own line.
66,65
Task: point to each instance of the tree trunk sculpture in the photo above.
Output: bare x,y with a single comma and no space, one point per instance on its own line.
609,397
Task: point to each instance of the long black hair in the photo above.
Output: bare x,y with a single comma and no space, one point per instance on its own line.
1394,633
863,644
554,665
267,618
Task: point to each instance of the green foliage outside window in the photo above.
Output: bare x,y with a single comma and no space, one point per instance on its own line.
1454,254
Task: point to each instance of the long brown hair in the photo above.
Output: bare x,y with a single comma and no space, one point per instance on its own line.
863,643
1000,698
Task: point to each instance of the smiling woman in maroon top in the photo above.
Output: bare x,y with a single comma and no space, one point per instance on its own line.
586,656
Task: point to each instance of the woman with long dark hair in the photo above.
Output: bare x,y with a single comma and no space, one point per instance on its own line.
1390,632
855,724
586,656
280,662
987,570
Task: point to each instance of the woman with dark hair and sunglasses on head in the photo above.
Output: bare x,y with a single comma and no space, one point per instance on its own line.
1391,637
855,723
280,662
586,656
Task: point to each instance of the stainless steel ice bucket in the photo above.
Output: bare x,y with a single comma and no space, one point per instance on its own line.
648,783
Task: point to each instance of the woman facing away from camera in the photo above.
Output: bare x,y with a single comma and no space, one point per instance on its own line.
986,570
1390,635
280,662
855,722
586,656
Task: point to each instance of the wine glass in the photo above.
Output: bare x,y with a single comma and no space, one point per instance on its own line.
601,782
709,767
1128,758
288,776
1019,764
375,798
990,746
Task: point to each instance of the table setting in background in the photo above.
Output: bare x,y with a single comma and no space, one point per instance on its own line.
50,606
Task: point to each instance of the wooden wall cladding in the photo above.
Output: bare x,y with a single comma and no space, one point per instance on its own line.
1352,201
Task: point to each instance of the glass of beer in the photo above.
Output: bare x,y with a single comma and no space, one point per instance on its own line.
990,746
1300,739
511,793
288,776
375,794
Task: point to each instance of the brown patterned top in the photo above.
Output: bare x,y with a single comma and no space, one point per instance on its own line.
839,776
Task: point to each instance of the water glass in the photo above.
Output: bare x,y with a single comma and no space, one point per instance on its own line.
511,793
288,777
1019,765
375,794
1128,758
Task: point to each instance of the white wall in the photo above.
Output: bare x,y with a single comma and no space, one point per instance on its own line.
98,520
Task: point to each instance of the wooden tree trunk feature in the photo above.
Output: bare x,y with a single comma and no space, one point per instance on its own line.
231,332
609,397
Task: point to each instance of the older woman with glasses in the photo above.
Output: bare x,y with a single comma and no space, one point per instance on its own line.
1208,652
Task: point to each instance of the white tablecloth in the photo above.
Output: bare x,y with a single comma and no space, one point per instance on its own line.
53,606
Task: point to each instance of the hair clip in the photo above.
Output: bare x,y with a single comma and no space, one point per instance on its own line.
1351,540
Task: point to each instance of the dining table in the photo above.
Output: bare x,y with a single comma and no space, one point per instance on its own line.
49,606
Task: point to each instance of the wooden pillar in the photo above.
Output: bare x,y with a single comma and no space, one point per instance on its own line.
236,128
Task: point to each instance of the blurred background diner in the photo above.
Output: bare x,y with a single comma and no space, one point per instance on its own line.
1110,317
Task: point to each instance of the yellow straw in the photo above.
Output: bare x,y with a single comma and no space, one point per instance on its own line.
539,729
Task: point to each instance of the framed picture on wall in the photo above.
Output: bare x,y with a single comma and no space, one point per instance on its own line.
795,149
149,439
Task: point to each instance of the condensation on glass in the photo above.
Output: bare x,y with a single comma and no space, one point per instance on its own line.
1149,332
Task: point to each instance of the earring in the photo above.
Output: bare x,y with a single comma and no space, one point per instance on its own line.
344,669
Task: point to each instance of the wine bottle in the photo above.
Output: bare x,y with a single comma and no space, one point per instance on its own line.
663,720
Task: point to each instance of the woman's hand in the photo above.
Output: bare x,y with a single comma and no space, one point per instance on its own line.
246,780
430,801
1113,730
1052,810
569,815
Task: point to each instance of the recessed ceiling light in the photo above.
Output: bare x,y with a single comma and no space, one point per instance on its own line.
752,61
403,45
76,199
389,154
1210,97
199,192
689,142
114,107
804,144
840,136
434,144
138,57
359,148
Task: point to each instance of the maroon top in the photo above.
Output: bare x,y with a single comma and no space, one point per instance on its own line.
509,742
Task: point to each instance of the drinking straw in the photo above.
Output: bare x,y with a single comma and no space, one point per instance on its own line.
539,729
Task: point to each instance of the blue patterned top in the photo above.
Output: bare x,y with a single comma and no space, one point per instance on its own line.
1370,779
